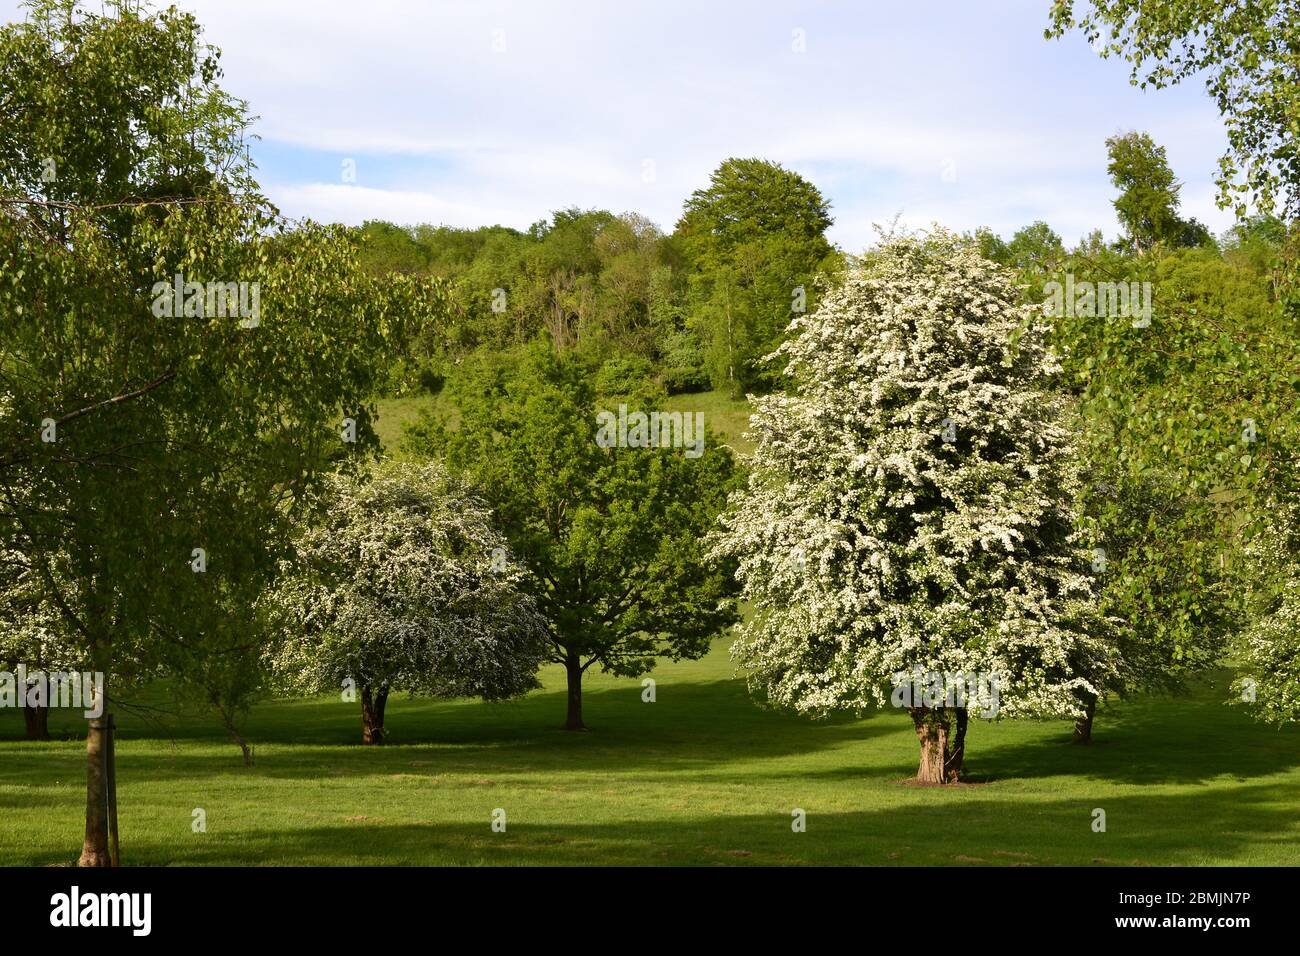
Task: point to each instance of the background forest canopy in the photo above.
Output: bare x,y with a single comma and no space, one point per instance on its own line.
703,306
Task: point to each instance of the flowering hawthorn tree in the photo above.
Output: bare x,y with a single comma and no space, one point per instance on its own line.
912,505
401,583
1268,650
30,634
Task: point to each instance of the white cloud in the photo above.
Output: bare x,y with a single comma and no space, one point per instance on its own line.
445,128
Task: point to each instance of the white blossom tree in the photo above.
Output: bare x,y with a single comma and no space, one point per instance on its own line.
911,508
30,635
1268,650
400,582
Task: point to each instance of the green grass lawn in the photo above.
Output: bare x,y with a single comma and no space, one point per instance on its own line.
396,413
726,417
701,776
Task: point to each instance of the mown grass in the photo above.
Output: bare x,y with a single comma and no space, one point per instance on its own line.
699,777
396,413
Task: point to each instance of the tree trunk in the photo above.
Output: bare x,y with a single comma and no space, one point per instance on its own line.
94,849
37,720
372,715
1083,726
957,752
99,846
573,668
228,718
932,732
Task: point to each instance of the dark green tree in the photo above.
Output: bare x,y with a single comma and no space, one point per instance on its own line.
610,536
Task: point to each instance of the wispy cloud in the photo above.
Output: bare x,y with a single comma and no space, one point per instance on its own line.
481,111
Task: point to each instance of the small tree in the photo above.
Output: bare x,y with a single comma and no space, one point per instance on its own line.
912,506
217,656
400,583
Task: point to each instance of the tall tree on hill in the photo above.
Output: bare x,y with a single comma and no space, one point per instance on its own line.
756,241
1147,205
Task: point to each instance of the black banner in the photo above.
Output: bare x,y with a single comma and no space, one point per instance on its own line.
310,904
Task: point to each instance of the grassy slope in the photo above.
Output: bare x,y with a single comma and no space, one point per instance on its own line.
725,417
701,776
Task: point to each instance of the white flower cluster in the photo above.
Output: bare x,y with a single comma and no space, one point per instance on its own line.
30,625
1269,649
913,504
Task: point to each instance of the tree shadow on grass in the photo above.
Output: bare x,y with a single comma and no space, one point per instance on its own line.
1249,824
1181,740
697,726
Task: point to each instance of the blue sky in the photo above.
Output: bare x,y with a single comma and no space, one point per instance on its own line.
472,112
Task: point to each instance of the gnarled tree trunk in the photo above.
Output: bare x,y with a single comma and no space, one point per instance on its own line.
372,714
942,735
1083,726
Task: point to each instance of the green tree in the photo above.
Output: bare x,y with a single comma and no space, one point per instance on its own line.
756,241
610,536
1147,205
1182,415
1247,51
156,442
388,248
1035,247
